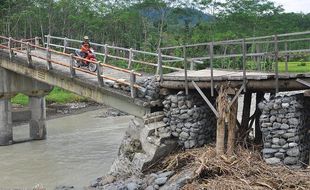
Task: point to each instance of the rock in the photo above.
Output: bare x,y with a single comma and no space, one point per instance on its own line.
293,152
166,174
272,118
156,186
284,126
161,181
292,144
288,135
149,188
273,161
279,155
293,121
275,140
276,126
285,105
269,151
132,186
290,160
282,142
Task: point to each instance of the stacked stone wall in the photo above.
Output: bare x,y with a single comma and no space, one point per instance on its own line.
285,124
189,119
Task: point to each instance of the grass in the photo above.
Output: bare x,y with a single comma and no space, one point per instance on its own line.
295,67
57,95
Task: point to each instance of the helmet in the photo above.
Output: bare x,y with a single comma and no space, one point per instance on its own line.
86,38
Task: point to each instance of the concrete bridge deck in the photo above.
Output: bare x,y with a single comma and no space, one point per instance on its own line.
83,84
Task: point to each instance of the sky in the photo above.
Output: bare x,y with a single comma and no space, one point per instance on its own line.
294,5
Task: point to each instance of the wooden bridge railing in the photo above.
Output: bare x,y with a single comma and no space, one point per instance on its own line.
130,55
271,48
8,45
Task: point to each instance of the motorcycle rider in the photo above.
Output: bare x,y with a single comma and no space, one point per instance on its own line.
85,48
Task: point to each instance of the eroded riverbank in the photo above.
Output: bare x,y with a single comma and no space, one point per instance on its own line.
78,149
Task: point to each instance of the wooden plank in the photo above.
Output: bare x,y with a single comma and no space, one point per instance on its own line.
206,99
236,96
303,82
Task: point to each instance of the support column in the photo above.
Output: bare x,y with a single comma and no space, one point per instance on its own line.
37,124
6,132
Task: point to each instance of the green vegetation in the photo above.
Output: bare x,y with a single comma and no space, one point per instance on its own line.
295,67
57,95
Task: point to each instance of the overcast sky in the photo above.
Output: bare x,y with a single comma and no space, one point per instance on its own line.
294,5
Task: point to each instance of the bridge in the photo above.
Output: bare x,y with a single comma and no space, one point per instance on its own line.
250,65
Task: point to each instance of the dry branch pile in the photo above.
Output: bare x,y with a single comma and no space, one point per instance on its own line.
245,170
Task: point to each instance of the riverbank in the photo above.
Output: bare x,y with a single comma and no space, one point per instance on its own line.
21,113
200,168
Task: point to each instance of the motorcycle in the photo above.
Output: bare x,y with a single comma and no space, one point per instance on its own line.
86,64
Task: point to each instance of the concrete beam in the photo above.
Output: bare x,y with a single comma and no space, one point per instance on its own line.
81,86
12,83
6,132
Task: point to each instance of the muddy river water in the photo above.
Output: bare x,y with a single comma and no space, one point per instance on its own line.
78,149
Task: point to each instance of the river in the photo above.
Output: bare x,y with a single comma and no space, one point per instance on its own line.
78,149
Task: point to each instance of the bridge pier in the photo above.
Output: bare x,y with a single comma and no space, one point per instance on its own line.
6,132
37,124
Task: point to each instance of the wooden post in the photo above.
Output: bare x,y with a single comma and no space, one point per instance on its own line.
11,53
49,57
222,104
130,59
211,65
132,83
258,133
258,58
276,57
286,58
36,41
193,65
22,45
48,41
65,44
160,65
29,58
232,123
244,63
99,73
246,113
185,70
72,69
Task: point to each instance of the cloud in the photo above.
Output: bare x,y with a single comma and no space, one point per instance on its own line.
294,5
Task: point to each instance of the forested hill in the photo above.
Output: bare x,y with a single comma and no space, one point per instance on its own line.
147,24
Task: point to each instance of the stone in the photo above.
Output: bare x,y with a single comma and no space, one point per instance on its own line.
276,106
272,118
288,135
282,142
275,140
174,99
161,181
149,188
276,126
132,186
166,174
192,143
156,186
293,121
269,151
184,135
292,144
290,160
285,146
279,155
273,161
284,126
293,152
266,125
293,139
285,105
